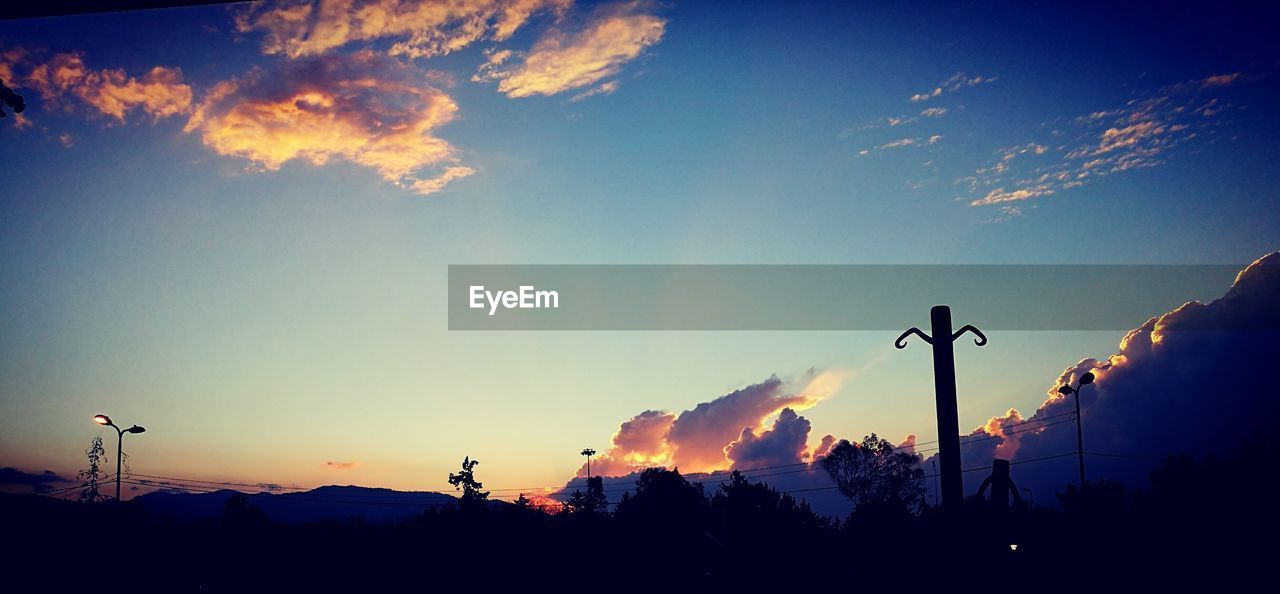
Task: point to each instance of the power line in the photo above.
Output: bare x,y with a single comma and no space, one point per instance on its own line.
267,486
1018,424
64,490
1133,457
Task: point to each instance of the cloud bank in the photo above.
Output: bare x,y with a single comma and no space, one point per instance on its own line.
786,442
731,431
14,479
1188,381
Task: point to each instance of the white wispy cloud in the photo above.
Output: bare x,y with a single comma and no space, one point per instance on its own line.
601,89
1137,135
903,143
957,81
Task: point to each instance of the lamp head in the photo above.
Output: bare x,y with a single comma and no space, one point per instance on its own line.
135,429
102,420
1086,379
588,452
1064,390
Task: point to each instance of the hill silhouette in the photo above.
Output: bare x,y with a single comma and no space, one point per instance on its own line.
332,502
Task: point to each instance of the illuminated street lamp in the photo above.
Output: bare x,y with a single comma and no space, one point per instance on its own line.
1084,380
106,421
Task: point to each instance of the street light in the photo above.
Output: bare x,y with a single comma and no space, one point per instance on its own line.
105,421
1065,390
588,453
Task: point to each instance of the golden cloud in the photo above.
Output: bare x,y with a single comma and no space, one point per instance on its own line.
298,28
160,93
369,110
561,61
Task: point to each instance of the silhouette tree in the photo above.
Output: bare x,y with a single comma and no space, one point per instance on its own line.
472,499
663,500
1098,499
876,478
239,514
10,98
93,474
591,503
744,510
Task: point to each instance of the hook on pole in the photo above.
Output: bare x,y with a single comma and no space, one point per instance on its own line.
901,342
981,339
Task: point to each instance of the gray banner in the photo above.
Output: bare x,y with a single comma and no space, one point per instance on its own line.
855,297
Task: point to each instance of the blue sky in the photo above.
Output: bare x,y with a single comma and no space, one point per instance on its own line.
268,318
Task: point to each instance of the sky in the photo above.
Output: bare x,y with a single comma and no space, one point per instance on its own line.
232,224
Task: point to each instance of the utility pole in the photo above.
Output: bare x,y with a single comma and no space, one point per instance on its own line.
1066,390
944,386
588,453
936,492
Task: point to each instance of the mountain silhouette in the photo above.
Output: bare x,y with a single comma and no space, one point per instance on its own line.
331,502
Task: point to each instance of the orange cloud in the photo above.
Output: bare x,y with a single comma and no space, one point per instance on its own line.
639,443
298,28
828,442
699,436
561,60
730,431
367,109
1002,426
339,465
9,59
160,93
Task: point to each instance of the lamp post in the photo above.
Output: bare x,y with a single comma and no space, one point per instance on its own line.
106,421
588,453
1084,380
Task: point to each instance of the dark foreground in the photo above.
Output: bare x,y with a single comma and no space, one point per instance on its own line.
1192,524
